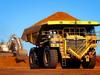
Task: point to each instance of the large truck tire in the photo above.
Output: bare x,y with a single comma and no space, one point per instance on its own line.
40,57
33,61
91,64
50,58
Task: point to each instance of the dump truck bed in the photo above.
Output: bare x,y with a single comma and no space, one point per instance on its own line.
59,18
33,32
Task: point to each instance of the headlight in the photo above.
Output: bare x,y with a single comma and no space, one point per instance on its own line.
54,32
49,36
50,32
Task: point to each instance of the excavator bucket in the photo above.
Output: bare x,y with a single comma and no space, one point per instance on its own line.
21,55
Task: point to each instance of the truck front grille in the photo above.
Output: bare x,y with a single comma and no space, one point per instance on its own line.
76,45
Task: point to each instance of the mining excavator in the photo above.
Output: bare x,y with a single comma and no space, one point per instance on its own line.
68,41
14,48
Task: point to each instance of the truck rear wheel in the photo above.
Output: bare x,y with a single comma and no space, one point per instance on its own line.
91,64
50,58
33,59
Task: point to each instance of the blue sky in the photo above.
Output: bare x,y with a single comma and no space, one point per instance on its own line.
16,15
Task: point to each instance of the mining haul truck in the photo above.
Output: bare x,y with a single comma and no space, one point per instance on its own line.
71,43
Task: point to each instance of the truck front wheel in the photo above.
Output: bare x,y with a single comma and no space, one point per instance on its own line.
91,64
33,59
50,58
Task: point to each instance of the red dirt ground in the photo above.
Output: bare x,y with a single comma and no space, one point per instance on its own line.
98,61
57,71
10,61
8,65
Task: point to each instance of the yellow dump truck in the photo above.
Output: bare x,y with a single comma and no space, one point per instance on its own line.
71,43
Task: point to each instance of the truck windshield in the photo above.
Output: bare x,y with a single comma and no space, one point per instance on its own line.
90,30
75,31
82,31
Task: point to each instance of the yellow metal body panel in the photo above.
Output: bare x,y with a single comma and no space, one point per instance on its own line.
73,22
54,45
65,44
87,22
31,37
87,58
60,22
75,54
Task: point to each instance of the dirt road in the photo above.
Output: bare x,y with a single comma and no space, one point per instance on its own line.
58,71
24,70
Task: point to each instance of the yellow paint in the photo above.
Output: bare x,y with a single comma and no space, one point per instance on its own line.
61,22
65,45
87,58
31,38
87,22
74,53
73,22
85,51
54,45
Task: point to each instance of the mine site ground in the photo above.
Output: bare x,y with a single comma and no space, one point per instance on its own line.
21,69
47,71
57,71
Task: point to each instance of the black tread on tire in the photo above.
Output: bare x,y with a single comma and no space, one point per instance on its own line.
33,61
91,64
50,58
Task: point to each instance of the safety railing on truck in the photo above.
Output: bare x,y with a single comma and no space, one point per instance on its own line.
84,47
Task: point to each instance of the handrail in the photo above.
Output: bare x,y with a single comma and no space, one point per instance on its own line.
81,46
87,47
79,54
